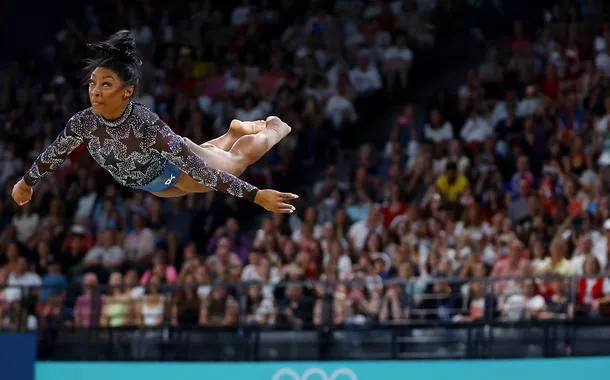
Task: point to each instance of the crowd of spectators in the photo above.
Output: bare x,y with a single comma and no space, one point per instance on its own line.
506,176
313,63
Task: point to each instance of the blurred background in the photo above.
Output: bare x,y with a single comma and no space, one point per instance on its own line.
452,158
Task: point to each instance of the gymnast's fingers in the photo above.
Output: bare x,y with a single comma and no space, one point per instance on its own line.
287,196
285,207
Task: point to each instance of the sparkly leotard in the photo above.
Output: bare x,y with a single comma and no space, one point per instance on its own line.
134,149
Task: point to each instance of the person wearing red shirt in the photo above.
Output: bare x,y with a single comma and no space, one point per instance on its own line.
593,295
394,207
518,41
550,84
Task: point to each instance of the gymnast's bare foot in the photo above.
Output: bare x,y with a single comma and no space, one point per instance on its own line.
275,123
240,128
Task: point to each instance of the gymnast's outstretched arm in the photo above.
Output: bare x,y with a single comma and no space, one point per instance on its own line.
55,154
49,160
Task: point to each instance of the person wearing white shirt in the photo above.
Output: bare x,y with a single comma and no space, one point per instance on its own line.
436,130
600,245
477,128
365,77
86,202
240,15
360,230
530,103
260,270
601,127
25,223
106,253
454,155
397,61
534,303
602,62
584,250
500,110
340,110
20,282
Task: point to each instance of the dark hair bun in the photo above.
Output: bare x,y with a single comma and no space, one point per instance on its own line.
121,44
119,53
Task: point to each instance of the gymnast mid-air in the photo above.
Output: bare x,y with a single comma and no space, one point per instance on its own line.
140,151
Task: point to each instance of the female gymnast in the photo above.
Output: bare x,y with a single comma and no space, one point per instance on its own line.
140,151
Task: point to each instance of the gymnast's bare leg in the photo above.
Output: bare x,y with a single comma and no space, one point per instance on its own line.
236,130
245,151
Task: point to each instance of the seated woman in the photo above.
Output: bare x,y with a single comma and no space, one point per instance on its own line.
593,295
480,305
160,265
220,309
151,310
559,304
117,307
186,306
260,310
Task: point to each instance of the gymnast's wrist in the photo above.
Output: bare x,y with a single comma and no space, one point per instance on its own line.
28,181
252,196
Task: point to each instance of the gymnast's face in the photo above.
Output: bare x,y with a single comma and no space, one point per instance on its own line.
108,94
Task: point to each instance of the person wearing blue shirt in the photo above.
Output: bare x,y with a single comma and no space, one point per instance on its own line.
53,283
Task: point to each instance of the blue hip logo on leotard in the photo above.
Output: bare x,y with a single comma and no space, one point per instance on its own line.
170,179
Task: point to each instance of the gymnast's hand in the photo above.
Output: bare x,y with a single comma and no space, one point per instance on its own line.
275,201
22,192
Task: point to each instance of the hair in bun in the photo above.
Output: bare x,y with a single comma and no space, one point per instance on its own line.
118,53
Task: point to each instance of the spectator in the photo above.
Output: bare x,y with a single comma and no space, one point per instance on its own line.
437,130
512,264
104,257
260,310
220,309
451,185
296,309
557,263
139,243
365,77
116,311
186,308
89,305
159,265
477,128
25,223
360,230
54,287
397,61
593,295
151,311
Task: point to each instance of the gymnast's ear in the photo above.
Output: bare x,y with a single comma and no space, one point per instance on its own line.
128,92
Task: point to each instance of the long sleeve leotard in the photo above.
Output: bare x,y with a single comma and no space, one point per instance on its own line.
134,149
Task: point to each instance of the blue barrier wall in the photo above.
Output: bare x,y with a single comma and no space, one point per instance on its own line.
17,356
525,369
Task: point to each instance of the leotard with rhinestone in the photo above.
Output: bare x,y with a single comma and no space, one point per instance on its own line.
134,149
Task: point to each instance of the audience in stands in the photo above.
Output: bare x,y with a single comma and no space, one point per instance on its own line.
505,178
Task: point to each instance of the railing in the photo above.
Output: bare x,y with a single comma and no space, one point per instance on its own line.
550,338
315,320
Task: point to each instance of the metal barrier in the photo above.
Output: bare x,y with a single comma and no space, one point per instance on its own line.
550,338
368,318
